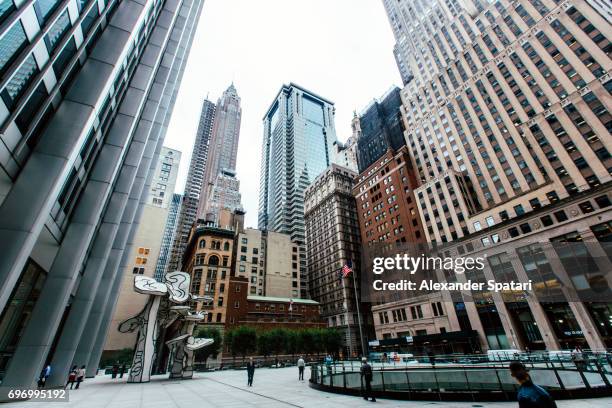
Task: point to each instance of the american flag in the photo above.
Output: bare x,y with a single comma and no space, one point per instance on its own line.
290,305
346,269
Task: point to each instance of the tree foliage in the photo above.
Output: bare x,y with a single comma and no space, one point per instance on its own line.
201,355
245,340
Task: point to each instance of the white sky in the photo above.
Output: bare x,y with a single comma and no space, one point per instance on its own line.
341,50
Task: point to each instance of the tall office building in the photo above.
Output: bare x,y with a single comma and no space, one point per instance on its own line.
87,90
223,146
146,249
193,186
508,123
168,237
333,240
381,128
298,142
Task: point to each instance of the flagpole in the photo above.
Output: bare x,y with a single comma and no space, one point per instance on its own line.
348,321
358,304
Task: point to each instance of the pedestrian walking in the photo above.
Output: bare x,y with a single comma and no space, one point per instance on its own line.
72,376
578,358
366,378
122,370
115,371
529,394
80,376
328,364
44,374
301,364
250,372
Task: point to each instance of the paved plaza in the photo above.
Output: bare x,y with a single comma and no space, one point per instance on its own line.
271,388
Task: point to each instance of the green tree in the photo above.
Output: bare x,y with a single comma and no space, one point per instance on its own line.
243,341
264,345
294,342
331,340
201,355
278,341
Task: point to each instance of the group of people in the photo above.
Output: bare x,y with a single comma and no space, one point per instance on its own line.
118,370
76,375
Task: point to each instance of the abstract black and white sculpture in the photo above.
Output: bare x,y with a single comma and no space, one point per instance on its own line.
174,291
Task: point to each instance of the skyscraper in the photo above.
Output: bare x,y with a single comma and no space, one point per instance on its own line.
223,143
193,186
168,237
508,123
513,102
381,129
333,241
87,92
298,143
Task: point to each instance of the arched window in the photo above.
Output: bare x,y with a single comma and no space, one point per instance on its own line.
226,246
202,244
213,260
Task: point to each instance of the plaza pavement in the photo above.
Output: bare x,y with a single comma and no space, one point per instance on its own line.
227,389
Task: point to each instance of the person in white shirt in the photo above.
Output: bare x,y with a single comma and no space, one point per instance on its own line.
301,364
80,376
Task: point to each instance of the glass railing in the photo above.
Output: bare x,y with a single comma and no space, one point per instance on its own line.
445,374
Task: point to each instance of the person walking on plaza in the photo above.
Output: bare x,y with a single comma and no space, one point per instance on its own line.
80,376
366,378
529,395
115,371
250,372
122,370
72,377
301,364
44,374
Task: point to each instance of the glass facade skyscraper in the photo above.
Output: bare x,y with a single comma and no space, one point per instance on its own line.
298,144
193,186
87,90
168,237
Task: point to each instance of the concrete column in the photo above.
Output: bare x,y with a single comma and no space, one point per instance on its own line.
472,312
546,331
506,320
40,333
90,312
88,287
598,253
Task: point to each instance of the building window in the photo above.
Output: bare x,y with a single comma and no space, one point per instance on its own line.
236,305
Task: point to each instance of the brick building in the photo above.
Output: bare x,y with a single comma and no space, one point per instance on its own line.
264,312
386,205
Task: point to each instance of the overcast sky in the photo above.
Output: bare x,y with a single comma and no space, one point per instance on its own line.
339,49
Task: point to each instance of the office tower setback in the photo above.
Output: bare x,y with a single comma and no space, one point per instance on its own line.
381,128
345,154
193,186
145,251
224,194
299,135
86,95
223,145
508,123
168,237
333,241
